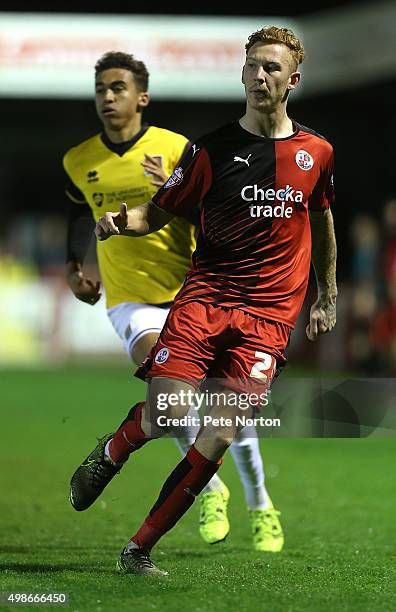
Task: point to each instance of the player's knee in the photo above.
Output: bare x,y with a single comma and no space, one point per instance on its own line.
166,416
170,397
177,412
221,440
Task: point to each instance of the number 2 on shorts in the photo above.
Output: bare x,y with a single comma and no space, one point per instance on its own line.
264,369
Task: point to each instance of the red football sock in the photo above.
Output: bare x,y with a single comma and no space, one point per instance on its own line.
177,495
129,437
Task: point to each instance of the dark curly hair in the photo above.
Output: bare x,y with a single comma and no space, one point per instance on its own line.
117,59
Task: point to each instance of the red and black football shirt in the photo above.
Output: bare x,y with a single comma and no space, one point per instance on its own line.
252,195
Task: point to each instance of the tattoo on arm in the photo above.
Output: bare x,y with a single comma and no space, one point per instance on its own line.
324,252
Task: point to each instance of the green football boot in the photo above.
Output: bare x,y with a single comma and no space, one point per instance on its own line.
213,522
266,530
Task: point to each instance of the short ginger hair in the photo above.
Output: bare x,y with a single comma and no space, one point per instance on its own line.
283,36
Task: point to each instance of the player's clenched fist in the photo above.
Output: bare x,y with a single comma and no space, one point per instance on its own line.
112,223
322,317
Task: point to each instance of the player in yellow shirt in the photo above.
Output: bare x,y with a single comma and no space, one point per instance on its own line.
128,162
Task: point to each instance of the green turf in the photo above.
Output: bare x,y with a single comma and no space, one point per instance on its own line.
337,499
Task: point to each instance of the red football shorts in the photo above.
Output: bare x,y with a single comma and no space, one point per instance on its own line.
200,341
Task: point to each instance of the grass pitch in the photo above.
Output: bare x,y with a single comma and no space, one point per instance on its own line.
337,499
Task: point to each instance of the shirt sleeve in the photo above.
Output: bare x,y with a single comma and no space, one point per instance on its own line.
180,153
187,185
80,223
73,193
322,196
80,227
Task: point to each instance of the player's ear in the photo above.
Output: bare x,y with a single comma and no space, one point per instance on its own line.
294,80
243,76
143,99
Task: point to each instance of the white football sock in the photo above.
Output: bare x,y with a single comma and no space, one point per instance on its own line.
245,451
106,451
131,546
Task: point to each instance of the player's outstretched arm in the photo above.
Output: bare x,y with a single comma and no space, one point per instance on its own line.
324,257
139,221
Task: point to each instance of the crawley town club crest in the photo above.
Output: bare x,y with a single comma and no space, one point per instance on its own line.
162,355
175,178
304,160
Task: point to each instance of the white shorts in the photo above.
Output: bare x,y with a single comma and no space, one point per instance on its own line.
132,321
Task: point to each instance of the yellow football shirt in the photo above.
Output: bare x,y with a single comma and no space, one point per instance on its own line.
149,269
